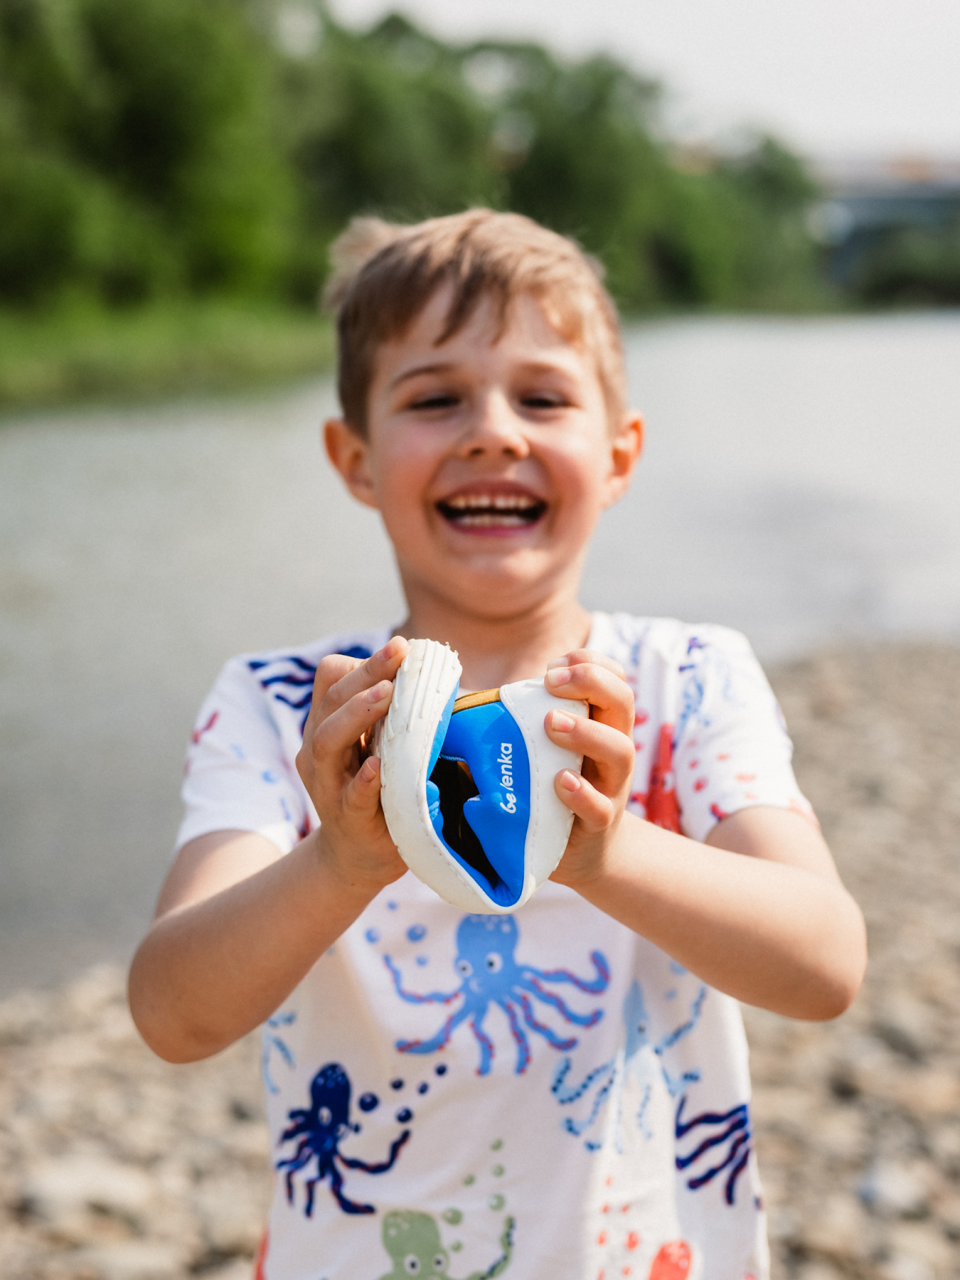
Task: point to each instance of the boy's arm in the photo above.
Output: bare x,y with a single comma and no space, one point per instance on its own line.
239,924
758,912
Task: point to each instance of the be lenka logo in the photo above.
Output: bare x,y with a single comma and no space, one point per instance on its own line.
505,761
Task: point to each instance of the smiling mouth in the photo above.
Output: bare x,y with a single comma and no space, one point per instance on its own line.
492,510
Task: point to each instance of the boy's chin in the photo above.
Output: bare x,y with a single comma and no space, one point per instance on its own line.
504,585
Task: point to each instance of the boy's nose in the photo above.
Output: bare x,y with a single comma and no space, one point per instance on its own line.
494,426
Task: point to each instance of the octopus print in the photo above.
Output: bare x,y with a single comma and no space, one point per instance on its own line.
289,679
641,1058
321,1128
491,975
722,1145
413,1242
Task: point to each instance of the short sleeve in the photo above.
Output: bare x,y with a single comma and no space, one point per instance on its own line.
732,750
237,776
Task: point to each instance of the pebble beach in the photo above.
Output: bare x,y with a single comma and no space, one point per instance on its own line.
116,1166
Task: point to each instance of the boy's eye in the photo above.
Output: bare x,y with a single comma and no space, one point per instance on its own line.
543,400
435,400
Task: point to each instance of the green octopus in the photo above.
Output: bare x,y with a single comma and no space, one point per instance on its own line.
413,1242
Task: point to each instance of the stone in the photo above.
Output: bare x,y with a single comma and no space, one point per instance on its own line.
923,1242
906,1025
893,1189
233,1213
133,1260
840,1229
58,1188
818,1270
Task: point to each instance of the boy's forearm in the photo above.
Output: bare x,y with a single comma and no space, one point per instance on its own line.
774,935
212,970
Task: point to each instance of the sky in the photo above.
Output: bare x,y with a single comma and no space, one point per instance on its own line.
834,78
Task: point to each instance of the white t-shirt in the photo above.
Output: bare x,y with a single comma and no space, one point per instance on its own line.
540,1095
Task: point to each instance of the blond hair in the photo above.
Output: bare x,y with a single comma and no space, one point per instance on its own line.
384,274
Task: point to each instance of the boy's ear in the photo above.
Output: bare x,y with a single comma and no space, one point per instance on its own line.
349,454
625,448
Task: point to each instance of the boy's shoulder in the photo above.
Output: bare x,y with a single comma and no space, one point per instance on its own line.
270,667
273,682
634,641
357,643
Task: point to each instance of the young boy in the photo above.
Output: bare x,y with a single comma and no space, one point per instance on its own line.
560,1093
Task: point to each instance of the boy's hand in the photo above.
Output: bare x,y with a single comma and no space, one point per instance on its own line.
599,793
349,697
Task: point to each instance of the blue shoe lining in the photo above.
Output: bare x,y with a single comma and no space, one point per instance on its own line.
489,741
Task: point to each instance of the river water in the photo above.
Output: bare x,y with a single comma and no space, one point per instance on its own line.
800,482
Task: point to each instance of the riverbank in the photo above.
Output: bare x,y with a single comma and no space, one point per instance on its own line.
81,353
114,1166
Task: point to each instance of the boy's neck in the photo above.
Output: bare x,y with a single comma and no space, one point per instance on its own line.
496,651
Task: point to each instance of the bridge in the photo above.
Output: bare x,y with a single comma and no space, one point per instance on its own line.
865,199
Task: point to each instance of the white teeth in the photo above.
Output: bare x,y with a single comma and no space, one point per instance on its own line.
487,519
484,502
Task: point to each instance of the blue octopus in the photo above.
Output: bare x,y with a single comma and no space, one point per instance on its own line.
320,1129
491,975
639,1055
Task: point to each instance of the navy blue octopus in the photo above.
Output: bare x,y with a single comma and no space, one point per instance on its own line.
321,1128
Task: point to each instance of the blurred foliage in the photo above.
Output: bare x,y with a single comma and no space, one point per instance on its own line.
177,347
156,149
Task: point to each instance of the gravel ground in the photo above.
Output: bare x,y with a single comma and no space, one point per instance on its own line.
114,1166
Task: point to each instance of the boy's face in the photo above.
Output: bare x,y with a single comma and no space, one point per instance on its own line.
488,458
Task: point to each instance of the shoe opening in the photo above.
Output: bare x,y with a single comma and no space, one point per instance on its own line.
455,783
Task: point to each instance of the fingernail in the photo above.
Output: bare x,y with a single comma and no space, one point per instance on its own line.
370,768
556,662
388,650
558,676
562,722
569,781
378,692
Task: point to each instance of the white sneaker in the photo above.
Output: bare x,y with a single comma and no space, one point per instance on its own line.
467,783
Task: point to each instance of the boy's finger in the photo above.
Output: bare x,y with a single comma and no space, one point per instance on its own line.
595,810
329,670
578,656
611,752
610,697
332,742
362,795
332,693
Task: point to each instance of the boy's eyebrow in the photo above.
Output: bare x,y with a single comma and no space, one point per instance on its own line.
441,367
444,366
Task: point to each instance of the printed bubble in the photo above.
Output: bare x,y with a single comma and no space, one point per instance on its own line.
369,1102
416,932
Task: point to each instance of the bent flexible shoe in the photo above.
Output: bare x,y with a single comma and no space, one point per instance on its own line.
467,783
